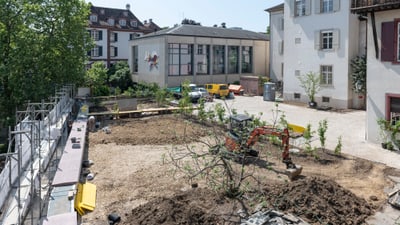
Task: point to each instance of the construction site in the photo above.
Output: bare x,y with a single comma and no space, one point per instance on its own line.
123,169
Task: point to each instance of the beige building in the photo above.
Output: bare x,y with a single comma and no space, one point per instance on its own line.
198,54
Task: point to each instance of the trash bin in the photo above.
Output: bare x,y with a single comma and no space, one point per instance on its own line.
269,91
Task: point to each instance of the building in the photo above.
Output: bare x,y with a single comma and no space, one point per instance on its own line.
383,61
320,37
112,29
198,54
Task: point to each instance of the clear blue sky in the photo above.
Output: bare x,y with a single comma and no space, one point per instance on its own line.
247,14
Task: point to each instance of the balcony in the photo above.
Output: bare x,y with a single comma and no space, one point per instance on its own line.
365,6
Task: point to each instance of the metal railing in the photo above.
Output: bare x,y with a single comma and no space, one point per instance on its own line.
372,3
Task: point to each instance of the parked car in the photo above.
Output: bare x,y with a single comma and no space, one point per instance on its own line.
218,90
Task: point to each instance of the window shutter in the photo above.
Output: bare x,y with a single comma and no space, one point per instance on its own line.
100,50
115,36
336,5
387,42
115,51
308,7
317,41
317,6
281,23
292,7
336,39
280,47
100,35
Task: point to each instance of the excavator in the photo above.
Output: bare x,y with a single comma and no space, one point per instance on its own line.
241,137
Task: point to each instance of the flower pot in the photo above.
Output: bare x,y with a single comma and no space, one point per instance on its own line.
312,104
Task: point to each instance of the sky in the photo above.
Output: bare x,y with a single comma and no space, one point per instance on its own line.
247,14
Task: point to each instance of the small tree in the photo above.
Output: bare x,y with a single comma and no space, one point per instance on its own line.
323,126
310,82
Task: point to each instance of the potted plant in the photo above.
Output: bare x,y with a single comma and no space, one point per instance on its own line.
310,82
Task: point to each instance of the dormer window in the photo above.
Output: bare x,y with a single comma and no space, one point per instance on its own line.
134,23
125,13
111,22
122,22
102,11
93,18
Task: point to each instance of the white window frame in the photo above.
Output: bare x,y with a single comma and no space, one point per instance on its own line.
94,34
112,36
122,22
95,52
327,40
300,7
111,21
326,75
326,6
319,40
112,51
134,23
93,17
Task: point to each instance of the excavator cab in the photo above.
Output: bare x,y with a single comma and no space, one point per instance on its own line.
243,135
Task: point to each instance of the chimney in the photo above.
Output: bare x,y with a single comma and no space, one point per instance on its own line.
150,20
128,7
145,22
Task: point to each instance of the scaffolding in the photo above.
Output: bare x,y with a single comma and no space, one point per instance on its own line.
25,180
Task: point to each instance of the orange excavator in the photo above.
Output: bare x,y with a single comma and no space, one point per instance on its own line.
241,137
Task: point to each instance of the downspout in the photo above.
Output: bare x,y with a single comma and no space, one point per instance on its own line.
375,35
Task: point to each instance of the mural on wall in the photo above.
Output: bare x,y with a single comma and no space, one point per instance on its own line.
152,59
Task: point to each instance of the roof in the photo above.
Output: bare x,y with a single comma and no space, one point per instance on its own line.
202,31
275,8
104,13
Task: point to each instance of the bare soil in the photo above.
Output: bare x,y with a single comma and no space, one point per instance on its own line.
134,182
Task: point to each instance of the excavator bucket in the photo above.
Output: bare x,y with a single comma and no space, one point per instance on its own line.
294,172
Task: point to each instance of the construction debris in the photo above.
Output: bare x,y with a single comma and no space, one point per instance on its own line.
272,217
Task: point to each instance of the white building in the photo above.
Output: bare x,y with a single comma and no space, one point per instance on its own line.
112,29
199,54
383,62
315,36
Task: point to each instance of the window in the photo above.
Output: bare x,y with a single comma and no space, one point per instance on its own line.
247,59
326,75
327,39
111,22
202,59
180,59
122,22
393,108
134,23
297,40
327,6
135,57
96,51
93,18
133,35
297,73
125,13
219,59
233,59
96,35
113,37
113,51
281,24
300,8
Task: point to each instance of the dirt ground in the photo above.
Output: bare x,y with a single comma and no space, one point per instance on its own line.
134,183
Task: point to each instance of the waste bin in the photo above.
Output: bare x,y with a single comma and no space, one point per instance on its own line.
269,91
